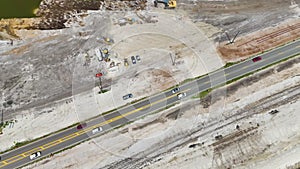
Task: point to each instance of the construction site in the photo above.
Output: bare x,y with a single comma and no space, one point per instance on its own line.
80,59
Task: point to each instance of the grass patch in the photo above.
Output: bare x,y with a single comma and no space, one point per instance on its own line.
203,93
103,91
5,124
206,92
135,101
228,64
250,73
22,143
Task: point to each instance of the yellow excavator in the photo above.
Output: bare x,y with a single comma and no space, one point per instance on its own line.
169,4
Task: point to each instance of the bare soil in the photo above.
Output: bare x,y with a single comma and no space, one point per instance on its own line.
261,140
259,42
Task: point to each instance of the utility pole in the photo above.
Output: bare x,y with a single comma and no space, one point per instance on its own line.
100,84
1,118
99,75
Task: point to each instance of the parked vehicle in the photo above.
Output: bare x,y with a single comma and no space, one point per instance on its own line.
218,137
126,62
99,74
138,58
81,126
256,59
181,95
127,96
35,155
176,90
273,111
96,130
98,54
133,60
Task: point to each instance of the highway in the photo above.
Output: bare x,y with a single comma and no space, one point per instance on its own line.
53,143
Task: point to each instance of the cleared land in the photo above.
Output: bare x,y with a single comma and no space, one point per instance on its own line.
48,82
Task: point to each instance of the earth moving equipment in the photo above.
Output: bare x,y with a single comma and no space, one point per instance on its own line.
169,4
108,41
230,41
126,62
105,54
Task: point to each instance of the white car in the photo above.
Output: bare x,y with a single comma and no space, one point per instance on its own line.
181,95
35,155
96,130
98,54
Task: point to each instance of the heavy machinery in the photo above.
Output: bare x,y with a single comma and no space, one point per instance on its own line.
230,41
108,41
169,4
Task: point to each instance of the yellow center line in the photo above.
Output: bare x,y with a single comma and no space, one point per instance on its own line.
68,137
3,164
53,143
29,152
14,159
48,145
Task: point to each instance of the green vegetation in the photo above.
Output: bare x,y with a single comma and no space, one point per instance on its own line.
5,124
103,91
18,8
231,64
203,93
135,101
206,92
22,143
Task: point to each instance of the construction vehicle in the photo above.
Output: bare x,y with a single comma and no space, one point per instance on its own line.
112,64
126,62
105,54
106,40
230,41
169,4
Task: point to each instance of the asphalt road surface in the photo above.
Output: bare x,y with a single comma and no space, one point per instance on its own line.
19,157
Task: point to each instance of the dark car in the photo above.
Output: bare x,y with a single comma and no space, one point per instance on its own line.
218,137
138,58
81,126
176,90
127,96
256,59
273,111
133,60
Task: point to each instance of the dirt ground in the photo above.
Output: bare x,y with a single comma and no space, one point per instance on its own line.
49,76
36,73
262,140
155,72
261,24
256,43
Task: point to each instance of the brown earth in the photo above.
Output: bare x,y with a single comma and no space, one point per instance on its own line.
260,41
53,14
